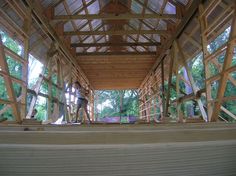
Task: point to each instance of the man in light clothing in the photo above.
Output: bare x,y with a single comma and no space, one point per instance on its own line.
82,102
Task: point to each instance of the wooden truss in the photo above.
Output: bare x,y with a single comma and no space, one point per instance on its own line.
58,55
178,58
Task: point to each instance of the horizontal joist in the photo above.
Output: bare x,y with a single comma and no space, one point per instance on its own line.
117,32
113,17
115,53
113,44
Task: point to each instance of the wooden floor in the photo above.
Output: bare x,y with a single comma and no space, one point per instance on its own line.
107,150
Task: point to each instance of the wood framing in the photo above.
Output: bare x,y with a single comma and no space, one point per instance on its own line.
224,74
8,83
117,45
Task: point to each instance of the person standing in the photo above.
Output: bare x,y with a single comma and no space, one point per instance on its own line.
82,102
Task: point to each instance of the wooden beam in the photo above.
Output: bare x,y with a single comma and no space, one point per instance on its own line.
115,53
123,16
114,44
117,32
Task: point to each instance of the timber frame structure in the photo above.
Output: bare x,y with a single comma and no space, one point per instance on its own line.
119,44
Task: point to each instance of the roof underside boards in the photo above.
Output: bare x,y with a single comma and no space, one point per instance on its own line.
120,72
